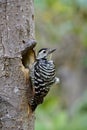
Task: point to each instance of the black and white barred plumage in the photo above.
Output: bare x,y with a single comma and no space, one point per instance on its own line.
42,76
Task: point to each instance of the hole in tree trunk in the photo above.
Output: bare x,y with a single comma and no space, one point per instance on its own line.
28,58
28,54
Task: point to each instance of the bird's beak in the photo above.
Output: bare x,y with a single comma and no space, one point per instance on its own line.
51,51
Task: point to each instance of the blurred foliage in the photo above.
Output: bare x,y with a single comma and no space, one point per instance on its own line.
60,17
50,116
54,19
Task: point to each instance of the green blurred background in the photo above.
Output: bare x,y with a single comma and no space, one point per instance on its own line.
62,24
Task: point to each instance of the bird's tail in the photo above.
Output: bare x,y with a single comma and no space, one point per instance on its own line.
35,101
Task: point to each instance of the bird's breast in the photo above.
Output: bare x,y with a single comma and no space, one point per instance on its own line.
46,70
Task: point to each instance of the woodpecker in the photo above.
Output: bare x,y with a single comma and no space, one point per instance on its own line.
42,76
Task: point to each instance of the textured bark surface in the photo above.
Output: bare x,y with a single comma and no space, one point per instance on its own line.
16,38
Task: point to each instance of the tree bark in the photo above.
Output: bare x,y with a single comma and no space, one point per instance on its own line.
16,44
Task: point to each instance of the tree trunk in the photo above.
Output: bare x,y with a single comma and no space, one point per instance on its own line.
16,44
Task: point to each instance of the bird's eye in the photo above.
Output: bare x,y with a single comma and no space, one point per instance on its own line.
44,51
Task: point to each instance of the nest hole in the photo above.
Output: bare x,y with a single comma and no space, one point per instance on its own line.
28,58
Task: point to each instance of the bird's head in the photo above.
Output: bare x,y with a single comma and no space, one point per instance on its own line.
44,52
